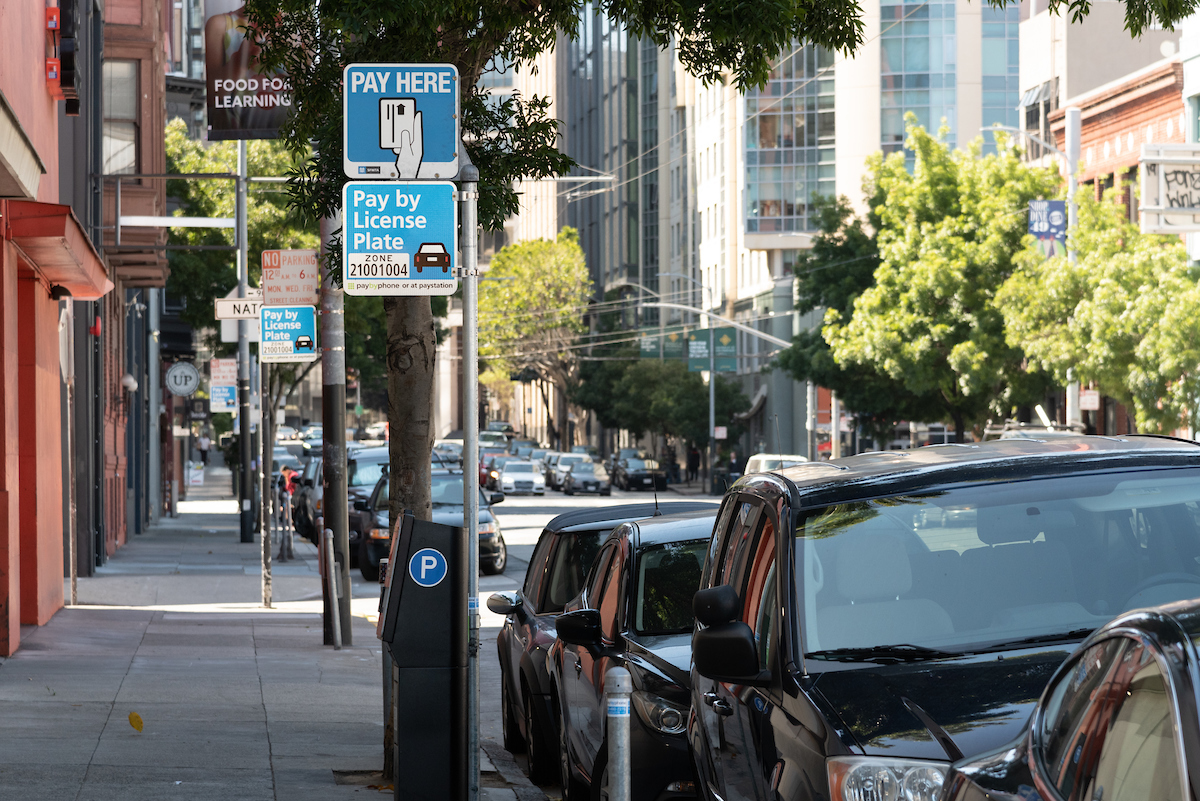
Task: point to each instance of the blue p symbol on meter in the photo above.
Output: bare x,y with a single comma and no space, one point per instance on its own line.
427,567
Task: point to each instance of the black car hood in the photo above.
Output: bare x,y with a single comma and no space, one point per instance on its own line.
671,654
980,702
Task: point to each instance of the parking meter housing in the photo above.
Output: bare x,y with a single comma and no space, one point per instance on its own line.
424,625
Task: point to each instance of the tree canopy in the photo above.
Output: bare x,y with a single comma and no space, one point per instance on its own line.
1125,317
947,233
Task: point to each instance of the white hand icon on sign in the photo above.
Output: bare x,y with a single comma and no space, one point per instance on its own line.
400,132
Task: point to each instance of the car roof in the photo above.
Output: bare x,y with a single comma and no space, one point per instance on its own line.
373,452
677,527
983,460
612,516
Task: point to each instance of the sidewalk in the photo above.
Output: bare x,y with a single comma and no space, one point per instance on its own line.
171,680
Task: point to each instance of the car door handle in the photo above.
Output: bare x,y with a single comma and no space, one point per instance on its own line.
720,707
578,668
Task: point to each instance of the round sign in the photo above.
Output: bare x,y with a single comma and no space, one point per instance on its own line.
183,378
427,567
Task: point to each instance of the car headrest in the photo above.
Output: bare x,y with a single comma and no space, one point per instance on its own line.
872,563
1002,525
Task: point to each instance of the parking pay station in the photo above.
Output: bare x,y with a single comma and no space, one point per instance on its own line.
423,624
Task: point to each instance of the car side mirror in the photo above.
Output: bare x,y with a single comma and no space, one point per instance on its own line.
504,603
496,497
579,627
716,605
727,653
308,482
362,506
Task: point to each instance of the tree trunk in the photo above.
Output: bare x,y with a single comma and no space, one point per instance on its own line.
553,432
411,355
959,427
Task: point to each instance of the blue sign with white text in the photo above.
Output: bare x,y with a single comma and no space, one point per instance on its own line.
428,567
289,334
222,399
400,121
399,238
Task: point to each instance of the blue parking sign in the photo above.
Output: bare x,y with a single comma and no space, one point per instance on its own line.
400,121
289,334
428,567
399,238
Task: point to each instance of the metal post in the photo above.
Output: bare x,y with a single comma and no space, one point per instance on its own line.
246,485
1072,142
72,527
264,428
618,687
154,391
835,426
333,418
468,189
712,406
331,576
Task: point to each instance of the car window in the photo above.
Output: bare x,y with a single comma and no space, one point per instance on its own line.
537,571
362,473
717,542
971,567
768,613
667,577
1107,729
569,564
447,490
610,598
761,564
733,552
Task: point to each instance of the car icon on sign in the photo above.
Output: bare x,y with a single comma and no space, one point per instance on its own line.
304,343
432,254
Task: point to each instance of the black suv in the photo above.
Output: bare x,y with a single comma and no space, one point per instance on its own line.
867,621
564,552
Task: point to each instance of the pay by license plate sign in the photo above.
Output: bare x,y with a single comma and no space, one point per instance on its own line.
399,238
289,334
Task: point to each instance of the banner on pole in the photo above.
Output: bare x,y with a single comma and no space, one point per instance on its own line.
1048,222
244,101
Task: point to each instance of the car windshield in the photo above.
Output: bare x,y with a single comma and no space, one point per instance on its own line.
568,460
447,490
583,467
518,467
362,473
981,567
667,579
643,464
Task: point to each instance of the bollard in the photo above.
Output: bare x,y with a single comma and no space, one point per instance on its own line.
618,686
331,577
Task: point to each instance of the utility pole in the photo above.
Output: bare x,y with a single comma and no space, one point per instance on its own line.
1072,136
469,193
265,429
246,485
712,405
154,391
333,419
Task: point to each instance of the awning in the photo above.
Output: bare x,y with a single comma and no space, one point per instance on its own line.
756,404
51,237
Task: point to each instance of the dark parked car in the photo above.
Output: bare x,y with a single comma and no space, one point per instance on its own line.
638,474
852,643
307,500
635,611
364,467
495,467
1119,721
564,552
587,477
614,458
447,493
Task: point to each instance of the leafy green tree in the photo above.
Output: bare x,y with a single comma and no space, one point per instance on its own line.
1126,316
838,268
313,40
947,234
531,313
200,276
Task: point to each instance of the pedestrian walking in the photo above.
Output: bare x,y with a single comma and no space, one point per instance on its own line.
204,443
733,464
693,464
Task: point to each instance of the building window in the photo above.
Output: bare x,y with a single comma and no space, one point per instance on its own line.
790,130
1001,70
120,117
918,61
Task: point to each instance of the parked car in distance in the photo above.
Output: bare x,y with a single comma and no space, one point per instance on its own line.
564,463
486,454
495,467
549,462
446,487
635,612
522,477
639,474
590,450
587,477
493,439
308,500
617,456
831,601
364,467
526,445
1117,721
560,561
538,457
765,462
284,432
503,427
449,449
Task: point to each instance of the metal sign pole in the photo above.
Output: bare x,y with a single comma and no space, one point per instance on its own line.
265,429
469,194
246,485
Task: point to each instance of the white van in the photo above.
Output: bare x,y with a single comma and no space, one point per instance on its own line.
764,462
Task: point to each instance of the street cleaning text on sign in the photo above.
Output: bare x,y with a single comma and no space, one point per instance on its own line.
289,278
399,238
400,121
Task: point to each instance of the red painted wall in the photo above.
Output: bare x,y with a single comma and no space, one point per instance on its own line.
40,437
23,81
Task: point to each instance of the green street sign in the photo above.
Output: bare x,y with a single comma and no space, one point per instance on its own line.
724,354
673,345
649,347
358,409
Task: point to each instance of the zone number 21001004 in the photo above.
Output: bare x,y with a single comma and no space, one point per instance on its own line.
378,265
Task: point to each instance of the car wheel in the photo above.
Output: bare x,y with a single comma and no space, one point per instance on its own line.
369,571
514,743
568,490
572,788
497,563
537,752
607,492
